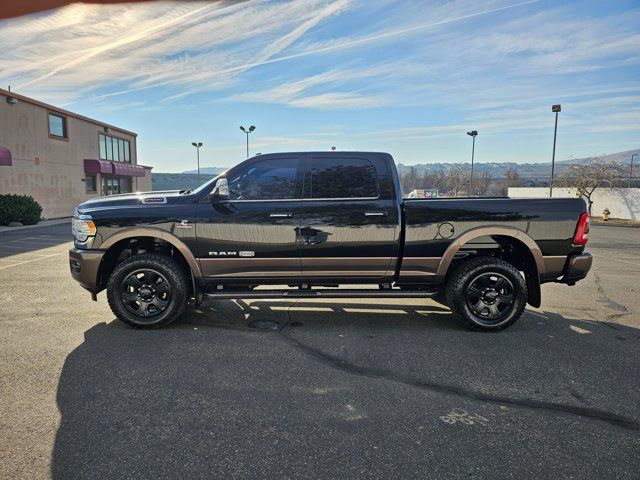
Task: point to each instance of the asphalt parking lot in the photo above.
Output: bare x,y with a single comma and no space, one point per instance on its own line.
341,389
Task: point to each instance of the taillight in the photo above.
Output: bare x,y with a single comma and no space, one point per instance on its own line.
581,237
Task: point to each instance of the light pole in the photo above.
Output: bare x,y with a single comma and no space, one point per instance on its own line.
197,145
247,131
473,134
631,168
556,109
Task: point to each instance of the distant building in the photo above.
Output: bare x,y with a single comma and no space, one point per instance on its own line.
421,193
61,158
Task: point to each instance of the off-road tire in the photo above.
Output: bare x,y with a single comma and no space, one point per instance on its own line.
459,296
172,272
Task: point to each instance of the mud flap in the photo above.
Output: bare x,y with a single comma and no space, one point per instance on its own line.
533,287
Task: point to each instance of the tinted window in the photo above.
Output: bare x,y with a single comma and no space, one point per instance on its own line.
271,179
57,125
343,178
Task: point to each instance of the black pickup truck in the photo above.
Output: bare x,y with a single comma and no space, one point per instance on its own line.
324,224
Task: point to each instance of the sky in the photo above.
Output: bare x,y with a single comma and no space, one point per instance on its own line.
401,76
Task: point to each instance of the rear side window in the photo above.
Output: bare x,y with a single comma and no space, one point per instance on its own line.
342,178
270,179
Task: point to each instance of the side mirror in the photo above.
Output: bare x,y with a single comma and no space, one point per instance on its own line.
221,191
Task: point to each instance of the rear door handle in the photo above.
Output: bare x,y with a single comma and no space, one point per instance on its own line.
375,214
280,215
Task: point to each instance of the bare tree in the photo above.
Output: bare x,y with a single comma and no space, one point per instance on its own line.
482,183
409,180
456,179
586,178
511,178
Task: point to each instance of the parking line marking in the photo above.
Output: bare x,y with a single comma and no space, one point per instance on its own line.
40,244
23,249
625,261
578,329
29,261
16,254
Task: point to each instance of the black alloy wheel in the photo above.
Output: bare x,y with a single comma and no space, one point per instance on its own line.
148,290
486,293
145,293
490,297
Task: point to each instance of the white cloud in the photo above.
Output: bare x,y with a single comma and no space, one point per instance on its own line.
186,44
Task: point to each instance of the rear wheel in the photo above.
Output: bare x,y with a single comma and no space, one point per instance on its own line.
148,290
487,293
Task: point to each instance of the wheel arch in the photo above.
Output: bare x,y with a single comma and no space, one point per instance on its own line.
115,244
533,260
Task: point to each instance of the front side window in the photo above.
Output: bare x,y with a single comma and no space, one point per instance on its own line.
270,179
336,177
57,125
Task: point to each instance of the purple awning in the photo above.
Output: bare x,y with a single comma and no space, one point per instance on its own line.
127,170
5,157
98,166
113,168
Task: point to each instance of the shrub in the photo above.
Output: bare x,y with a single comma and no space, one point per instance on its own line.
19,208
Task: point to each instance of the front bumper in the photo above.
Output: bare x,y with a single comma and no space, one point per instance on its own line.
577,268
85,266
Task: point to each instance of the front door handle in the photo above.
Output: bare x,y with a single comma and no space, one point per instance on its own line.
280,215
375,214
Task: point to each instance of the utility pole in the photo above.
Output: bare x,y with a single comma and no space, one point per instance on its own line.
473,134
556,109
631,168
247,131
197,145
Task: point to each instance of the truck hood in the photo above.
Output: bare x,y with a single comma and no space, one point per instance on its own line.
128,199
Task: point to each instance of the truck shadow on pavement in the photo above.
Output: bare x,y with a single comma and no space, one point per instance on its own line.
213,396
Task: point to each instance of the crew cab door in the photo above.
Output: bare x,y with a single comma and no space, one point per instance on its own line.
253,234
350,218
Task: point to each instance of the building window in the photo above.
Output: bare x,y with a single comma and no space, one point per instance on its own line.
58,126
113,148
90,182
116,185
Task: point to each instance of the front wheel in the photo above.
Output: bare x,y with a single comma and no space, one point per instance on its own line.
487,293
148,290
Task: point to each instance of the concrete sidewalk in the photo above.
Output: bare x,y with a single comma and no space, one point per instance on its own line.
43,223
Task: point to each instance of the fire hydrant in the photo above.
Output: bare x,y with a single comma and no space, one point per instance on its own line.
605,214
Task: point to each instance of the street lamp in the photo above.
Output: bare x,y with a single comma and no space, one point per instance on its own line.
197,145
555,109
473,134
247,131
631,168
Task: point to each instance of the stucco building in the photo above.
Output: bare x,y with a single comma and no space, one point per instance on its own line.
61,158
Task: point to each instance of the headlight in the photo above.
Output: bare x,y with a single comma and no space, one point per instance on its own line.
82,227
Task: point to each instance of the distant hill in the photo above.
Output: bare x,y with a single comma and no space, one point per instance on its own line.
531,172
177,181
620,157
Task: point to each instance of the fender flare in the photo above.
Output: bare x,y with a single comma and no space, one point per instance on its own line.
477,232
157,233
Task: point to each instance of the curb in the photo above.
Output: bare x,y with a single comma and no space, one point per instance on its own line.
600,224
43,223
